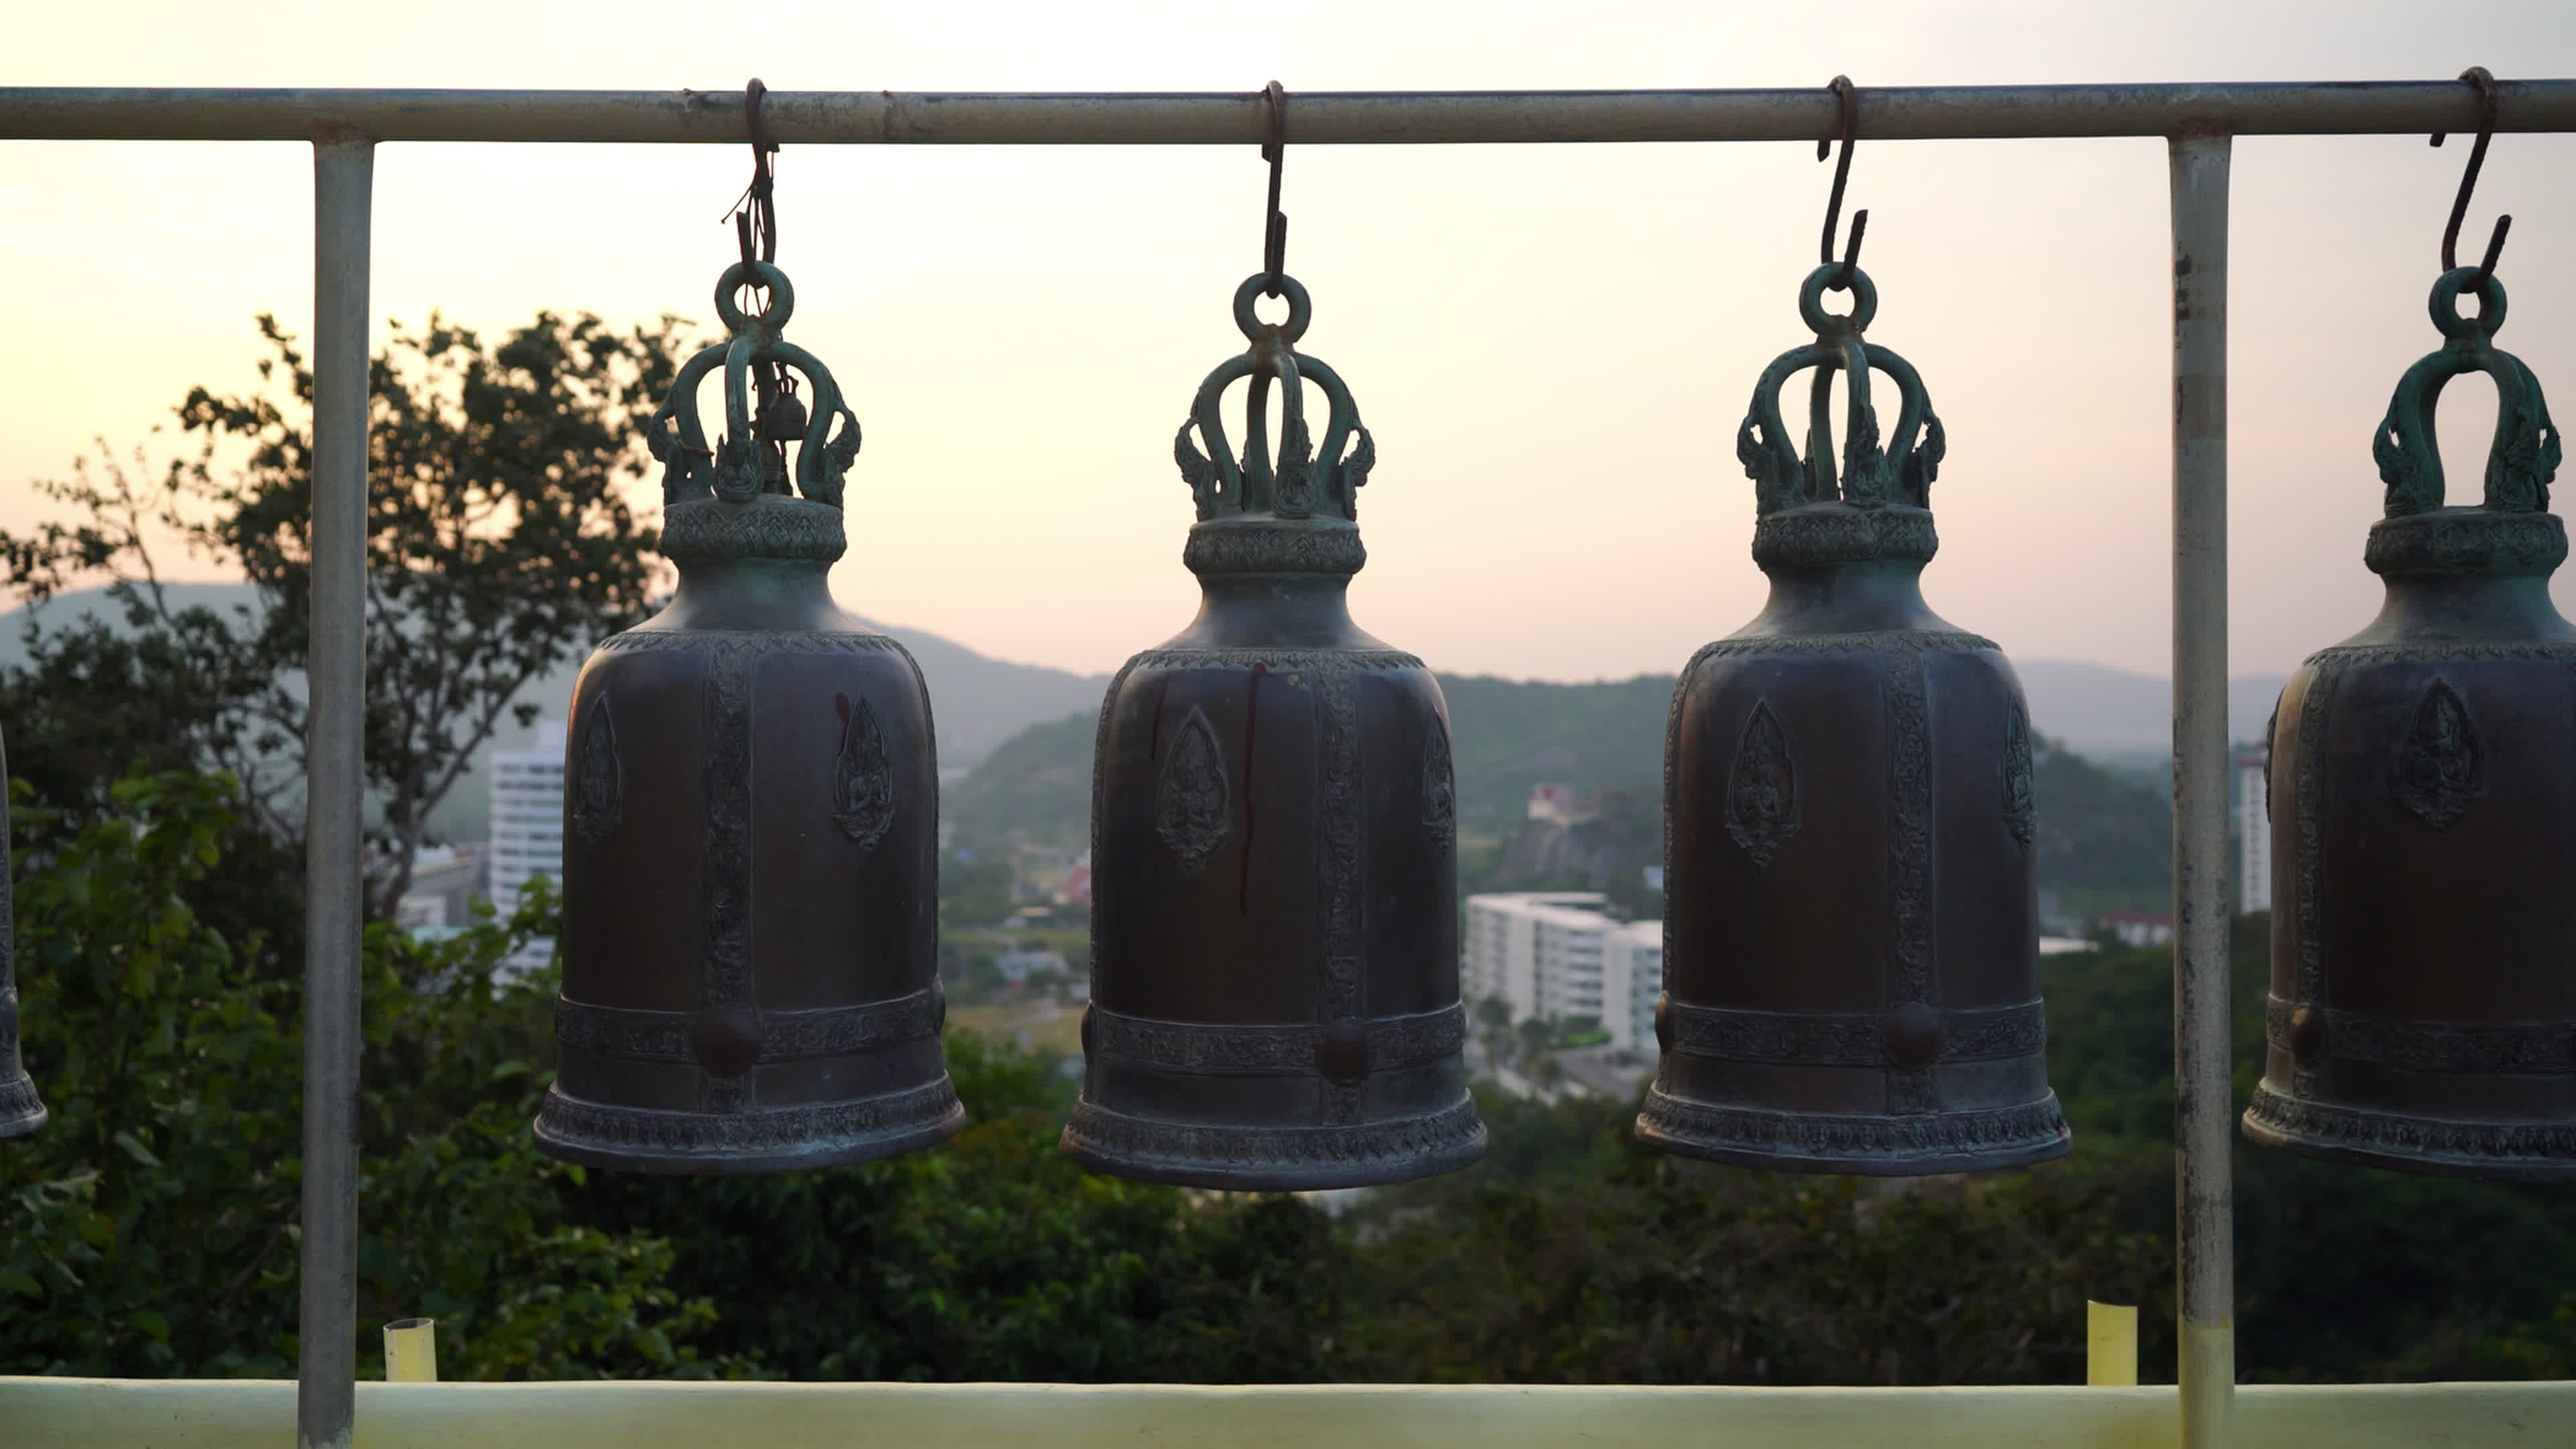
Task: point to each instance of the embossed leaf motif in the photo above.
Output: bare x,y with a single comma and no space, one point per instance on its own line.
1762,788
1439,785
2441,768
1192,801
863,777
598,785
2021,813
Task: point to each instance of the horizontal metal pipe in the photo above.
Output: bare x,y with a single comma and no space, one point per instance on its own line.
1314,118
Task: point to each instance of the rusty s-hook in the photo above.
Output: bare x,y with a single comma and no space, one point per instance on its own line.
1274,231
2476,75
1843,93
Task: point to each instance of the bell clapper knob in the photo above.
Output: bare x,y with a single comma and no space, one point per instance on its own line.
1342,1052
726,1040
1911,1035
2307,1032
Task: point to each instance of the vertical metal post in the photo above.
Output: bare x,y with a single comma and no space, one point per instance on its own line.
327,1327
2204,1108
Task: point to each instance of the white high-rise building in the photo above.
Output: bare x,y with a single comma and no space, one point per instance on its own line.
2254,831
527,828
1558,955
1632,980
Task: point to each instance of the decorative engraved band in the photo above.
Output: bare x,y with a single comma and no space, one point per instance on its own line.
1451,1137
764,641
1850,1039
2467,543
926,1113
771,527
2528,1149
1822,534
626,1034
1265,547
1179,1046
2029,1132
2536,1047
21,1110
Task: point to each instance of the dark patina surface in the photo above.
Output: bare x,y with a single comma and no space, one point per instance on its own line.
1274,920
1850,965
2423,999
750,939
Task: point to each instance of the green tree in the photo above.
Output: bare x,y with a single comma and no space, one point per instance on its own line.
500,545
995,1257
150,1228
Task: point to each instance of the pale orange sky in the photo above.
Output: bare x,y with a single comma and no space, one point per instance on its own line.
1553,345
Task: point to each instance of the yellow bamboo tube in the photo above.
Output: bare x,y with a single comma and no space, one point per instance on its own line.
411,1351
2110,1344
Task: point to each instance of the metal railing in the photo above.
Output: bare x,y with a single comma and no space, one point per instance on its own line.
2198,122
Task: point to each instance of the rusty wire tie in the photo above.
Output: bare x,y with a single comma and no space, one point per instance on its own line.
758,203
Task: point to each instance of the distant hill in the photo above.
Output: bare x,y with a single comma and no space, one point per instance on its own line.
1508,735
1035,785
1505,736
976,701
1015,740
2105,839
2118,717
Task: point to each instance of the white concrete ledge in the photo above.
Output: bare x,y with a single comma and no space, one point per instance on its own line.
41,1413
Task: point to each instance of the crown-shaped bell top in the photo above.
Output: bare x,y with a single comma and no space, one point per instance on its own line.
1810,510
1305,482
763,414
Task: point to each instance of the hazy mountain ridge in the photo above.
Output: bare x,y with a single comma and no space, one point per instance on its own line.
1508,734
976,701
2105,840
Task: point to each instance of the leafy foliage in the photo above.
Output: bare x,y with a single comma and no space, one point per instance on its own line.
1638,1268
500,543
2343,1273
151,1227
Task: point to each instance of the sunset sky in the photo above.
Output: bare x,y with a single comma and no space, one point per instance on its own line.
1552,344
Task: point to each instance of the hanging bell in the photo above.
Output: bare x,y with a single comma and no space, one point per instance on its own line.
2423,996
1274,998
20,1111
1851,961
750,935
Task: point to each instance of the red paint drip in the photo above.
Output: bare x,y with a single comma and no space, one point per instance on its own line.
1251,728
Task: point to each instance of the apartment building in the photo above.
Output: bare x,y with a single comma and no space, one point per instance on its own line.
1557,955
2254,831
527,829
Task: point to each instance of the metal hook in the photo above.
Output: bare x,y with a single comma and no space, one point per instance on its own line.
2490,104
1841,87
1274,234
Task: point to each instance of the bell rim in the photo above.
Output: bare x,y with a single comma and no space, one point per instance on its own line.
913,1118
2032,1133
2270,1120
1401,1149
22,1112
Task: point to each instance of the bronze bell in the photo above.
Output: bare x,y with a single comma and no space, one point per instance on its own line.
1851,942
20,1111
2423,1003
750,934
1274,967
